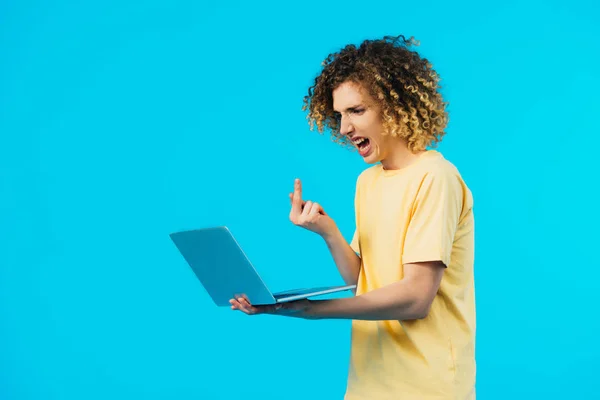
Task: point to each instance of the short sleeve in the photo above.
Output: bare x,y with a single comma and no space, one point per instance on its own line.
434,221
354,243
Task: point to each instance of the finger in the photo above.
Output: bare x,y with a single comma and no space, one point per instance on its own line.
264,309
245,298
297,197
315,209
245,301
241,304
251,309
307,208
292,200
235,305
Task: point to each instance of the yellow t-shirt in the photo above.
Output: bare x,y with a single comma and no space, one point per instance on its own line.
419,213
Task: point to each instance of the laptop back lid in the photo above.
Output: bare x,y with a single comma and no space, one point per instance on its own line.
221,265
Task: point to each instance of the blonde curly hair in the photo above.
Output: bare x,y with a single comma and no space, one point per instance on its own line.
405,84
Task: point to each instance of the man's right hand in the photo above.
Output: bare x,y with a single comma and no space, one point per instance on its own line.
310,215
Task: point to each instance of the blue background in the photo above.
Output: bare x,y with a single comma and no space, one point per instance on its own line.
121,122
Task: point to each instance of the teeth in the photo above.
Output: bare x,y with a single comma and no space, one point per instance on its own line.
359,141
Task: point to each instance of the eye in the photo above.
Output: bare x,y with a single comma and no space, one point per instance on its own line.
359,111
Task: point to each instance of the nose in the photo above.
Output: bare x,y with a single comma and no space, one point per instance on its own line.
345,126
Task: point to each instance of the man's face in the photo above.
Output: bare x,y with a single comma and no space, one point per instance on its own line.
360,121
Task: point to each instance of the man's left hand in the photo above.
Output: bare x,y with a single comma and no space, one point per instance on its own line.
298,308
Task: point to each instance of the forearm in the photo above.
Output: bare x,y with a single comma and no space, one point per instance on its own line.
346,260
397,301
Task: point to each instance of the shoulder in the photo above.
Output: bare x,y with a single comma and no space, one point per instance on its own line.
438,168
441,179
368,174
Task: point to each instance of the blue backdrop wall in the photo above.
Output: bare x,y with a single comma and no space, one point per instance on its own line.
123,121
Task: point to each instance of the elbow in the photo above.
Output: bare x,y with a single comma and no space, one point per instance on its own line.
421,309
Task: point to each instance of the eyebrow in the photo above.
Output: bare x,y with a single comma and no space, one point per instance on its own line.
350,108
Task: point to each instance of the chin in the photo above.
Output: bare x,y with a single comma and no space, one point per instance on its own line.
371,159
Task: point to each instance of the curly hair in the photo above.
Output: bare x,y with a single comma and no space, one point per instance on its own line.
404,83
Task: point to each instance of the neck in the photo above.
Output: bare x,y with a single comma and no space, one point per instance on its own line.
400,157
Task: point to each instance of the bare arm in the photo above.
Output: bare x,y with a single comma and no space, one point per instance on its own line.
346,260
407,299
311,216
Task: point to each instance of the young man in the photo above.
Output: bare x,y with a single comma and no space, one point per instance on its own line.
411,257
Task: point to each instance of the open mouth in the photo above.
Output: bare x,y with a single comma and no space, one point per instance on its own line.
363,145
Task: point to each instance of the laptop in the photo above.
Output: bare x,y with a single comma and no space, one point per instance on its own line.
224,270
